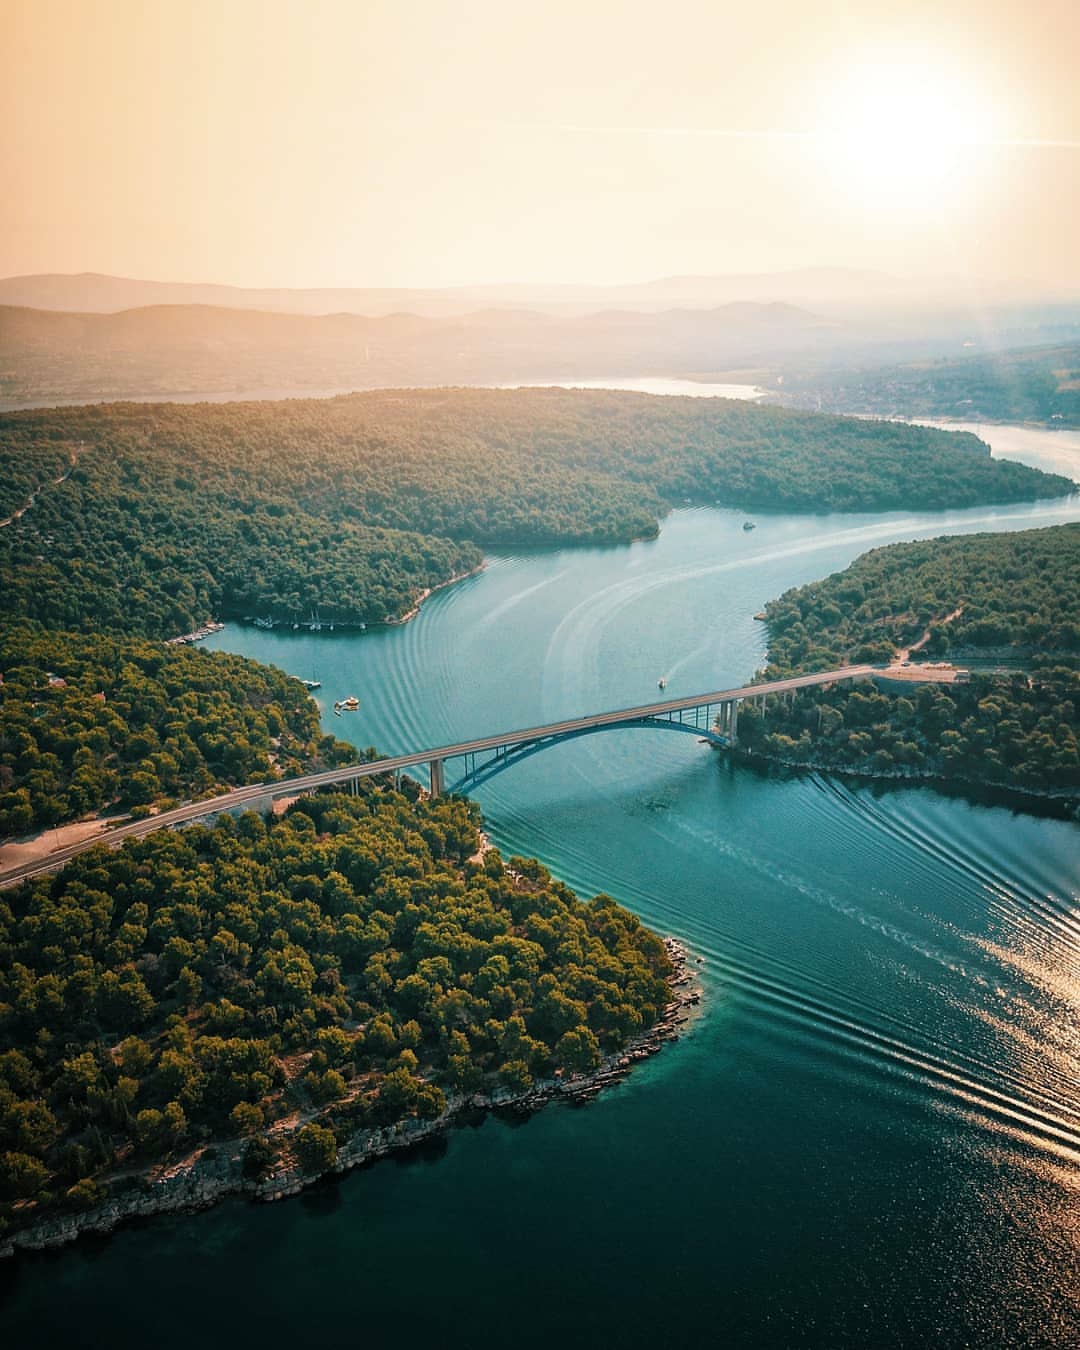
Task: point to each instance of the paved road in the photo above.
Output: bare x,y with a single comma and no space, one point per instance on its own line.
290,786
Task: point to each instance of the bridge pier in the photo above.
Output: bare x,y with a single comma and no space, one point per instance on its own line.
438,778
262,806
727,720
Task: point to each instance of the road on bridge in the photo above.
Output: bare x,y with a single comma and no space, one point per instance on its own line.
252,792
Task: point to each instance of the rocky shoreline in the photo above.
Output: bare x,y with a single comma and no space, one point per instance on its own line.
217,1172
429,591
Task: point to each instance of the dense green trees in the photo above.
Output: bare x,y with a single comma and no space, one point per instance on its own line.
87,723
1018,596
350,964
177,513
346,962
1018,591
37,463
1007,730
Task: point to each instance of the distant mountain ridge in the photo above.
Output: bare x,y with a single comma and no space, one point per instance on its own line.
189,350
92,292
185,349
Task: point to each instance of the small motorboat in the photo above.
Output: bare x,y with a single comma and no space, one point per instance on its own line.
749,525
661,683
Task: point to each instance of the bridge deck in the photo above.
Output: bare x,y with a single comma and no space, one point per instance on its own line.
392,764
672,705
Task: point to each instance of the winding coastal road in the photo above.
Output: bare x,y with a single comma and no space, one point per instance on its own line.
287,787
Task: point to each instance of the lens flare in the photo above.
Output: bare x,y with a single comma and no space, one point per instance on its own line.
895,132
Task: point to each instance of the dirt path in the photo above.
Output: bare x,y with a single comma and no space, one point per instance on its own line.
74,456
905,652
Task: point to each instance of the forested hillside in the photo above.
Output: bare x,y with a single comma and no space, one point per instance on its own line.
1011,731
88,723
1001,595
174,514
30,467
1017,590
291,981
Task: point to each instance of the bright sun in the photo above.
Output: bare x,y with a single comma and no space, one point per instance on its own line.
896,130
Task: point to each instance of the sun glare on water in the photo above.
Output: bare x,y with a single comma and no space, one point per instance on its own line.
894,131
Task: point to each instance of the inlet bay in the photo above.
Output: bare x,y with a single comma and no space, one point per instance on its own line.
869,1137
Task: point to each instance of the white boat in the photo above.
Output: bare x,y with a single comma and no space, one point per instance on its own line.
661,683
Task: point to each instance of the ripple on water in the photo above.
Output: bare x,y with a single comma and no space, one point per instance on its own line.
872,1135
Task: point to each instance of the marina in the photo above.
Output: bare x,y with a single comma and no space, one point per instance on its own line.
197,635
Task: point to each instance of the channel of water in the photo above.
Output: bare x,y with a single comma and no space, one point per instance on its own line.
872,1135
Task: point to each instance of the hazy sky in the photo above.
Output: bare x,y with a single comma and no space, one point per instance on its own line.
417,142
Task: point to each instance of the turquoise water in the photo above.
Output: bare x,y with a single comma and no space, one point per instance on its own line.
871,1137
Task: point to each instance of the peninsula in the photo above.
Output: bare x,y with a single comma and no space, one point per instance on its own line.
298,992
1005,605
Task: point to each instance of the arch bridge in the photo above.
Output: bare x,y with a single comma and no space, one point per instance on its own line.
711,717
